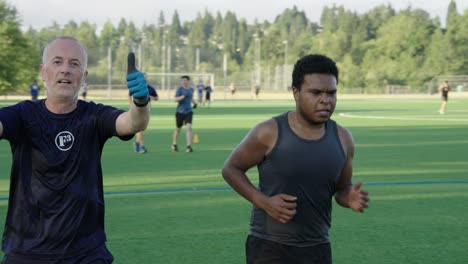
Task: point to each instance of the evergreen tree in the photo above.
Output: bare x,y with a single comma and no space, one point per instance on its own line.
452,14
18,64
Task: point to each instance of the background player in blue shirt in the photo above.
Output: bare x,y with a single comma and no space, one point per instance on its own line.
200,87
56,203
34,89
184,113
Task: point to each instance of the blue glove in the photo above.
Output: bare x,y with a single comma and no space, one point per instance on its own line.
137,86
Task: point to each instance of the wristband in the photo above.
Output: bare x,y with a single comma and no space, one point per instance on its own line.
141,104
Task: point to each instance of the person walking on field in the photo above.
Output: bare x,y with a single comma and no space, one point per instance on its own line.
200,87
184,113
208,91
304,158
56,201
34,89
444,89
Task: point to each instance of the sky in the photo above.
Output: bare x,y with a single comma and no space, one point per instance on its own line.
42,13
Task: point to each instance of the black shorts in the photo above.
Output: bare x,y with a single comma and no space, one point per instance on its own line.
445,98
207,96
183,118
99,255
261,251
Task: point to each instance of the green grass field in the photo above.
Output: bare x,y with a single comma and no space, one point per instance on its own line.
165,207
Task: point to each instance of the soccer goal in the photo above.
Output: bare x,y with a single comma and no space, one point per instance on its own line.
458,83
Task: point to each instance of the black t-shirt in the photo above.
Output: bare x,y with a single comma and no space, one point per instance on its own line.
56,203
445,91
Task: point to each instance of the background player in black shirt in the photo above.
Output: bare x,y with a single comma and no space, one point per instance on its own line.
444,89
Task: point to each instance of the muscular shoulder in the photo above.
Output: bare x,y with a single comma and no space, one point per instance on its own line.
265,133
346,139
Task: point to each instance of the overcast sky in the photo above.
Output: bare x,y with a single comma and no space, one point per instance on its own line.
41,13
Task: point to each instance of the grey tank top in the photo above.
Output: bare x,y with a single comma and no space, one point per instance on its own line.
307,169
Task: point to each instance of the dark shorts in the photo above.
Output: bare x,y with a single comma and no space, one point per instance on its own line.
207,96
261,251
445,98
99,255
183,118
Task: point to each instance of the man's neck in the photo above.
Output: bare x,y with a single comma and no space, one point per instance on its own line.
57,106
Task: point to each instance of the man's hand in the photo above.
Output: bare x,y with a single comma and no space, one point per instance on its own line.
358,199
136,82
137,86
281,207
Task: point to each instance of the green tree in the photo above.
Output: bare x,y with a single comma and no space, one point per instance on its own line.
18,64
230,33
452,14
122,27
86,33
351,75
376,17
328,19
196,36
457,42
436,62
176,32
109,36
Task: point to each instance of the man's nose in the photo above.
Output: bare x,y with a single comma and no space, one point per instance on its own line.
325,98
65,68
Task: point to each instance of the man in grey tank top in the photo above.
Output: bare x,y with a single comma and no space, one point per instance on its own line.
304,159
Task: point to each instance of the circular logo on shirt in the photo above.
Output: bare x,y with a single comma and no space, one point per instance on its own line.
64,140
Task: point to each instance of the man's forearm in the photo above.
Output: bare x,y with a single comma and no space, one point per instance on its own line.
341,196
140,117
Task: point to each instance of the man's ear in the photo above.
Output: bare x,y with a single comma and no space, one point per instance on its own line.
43,73
295,92
85,76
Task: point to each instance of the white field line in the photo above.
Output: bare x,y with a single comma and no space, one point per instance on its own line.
348,115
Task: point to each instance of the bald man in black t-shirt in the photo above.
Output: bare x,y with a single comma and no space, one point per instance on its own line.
56,203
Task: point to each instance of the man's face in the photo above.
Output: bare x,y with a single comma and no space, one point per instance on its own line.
63,69
185,82
316,100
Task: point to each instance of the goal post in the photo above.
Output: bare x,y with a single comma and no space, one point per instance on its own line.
458,83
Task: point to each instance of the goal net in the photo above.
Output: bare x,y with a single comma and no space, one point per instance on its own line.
458,83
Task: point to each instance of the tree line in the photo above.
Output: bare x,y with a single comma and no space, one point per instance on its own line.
380,47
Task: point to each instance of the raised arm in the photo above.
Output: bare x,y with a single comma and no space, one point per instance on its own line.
136,119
